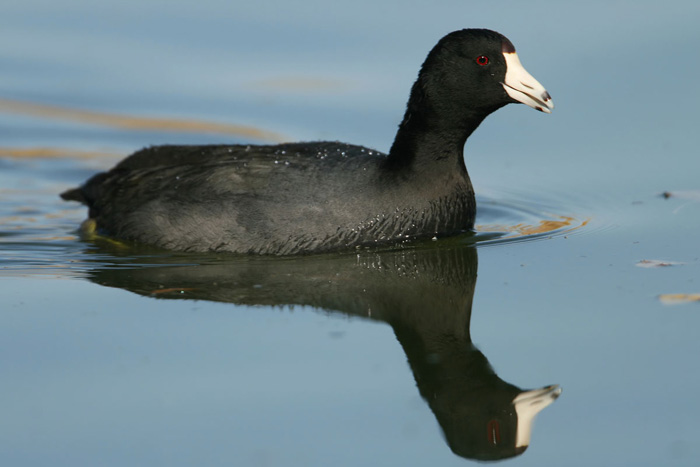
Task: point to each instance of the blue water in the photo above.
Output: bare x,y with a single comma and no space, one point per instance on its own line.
114,357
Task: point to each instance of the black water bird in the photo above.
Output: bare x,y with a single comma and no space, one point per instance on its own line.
322,196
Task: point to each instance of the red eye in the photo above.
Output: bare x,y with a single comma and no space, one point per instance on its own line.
482,60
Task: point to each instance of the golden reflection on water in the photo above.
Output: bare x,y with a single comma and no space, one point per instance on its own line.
52,153
133,123
544,226
679,298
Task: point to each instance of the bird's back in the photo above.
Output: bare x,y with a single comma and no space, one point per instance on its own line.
281,199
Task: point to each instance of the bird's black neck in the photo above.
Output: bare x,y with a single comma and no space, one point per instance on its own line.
431,136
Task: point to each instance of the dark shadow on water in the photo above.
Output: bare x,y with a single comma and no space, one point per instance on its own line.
424,294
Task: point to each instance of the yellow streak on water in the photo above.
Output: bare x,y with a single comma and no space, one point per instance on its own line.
133,123
544,226
52,153
678,298
55,238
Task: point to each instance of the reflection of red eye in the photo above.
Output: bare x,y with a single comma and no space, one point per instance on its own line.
482,60
493,428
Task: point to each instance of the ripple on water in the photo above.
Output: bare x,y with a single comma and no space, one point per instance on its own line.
501,220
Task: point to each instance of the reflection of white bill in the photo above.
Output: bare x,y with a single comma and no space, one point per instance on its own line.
527,405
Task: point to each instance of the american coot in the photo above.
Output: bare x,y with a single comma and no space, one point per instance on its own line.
322,196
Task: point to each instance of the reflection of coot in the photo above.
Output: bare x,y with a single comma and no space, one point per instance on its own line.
482,416
313,197
424,294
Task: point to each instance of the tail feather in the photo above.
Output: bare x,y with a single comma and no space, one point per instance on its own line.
88,192
74,194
